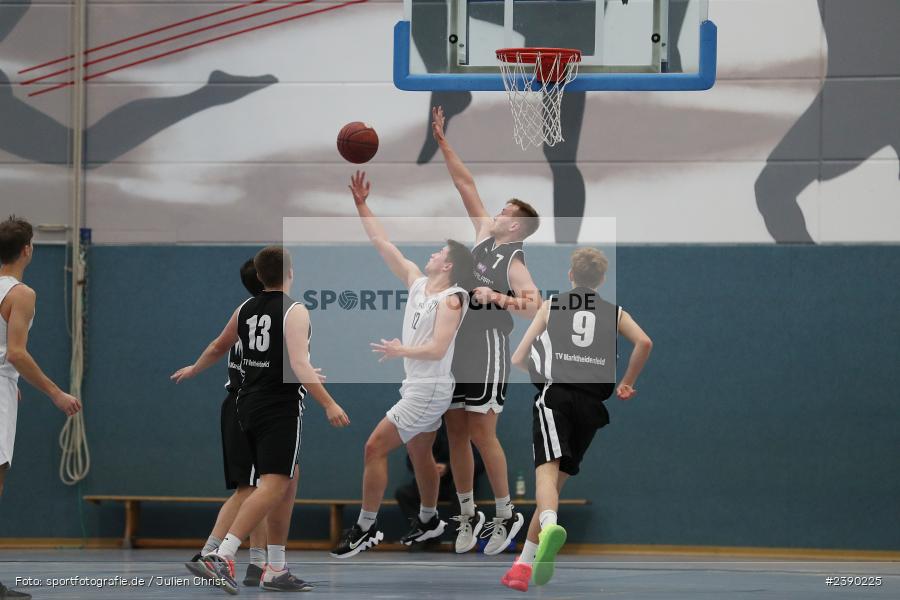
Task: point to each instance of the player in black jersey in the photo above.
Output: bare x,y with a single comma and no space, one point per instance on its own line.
240,475
502,285
274,334
570,352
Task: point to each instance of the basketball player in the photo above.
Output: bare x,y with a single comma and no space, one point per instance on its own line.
571,346
434,311
240,475
274,334
17,302
482,369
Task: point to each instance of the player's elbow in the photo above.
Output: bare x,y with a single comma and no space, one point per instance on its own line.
302,369
16,357
219,347
465,184
437,352
645,344
519,360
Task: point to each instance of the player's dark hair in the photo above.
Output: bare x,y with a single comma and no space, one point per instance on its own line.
463,265
273,263
249,278
589,267
15,234
527,215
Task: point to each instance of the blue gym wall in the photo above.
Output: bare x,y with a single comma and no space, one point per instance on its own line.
767,415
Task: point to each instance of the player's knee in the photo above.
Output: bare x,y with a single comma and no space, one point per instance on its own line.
484,438
372,451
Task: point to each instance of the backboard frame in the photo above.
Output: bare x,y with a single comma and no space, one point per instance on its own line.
464,77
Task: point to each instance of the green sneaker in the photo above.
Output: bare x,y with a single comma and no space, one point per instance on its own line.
550,540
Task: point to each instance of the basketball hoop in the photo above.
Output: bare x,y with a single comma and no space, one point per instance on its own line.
535,79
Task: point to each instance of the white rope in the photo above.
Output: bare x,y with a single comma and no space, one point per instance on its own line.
536,107
75,462
76,457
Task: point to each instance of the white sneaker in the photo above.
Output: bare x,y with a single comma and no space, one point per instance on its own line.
504,531
466,533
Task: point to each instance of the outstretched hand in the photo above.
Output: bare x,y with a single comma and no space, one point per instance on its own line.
360,187
437,123
388,349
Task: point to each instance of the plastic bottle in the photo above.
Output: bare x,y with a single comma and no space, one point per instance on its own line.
520,486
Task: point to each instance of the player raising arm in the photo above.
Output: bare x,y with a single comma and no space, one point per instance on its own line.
434,310
503,286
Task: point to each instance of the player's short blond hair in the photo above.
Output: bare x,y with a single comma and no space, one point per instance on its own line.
589,267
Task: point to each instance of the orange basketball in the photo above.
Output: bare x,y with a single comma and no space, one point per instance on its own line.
357,142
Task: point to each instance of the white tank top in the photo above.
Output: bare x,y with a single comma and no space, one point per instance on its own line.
7,370
418,329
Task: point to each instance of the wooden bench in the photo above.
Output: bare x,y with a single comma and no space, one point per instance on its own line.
336,509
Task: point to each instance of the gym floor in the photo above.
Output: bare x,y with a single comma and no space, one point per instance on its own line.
394,575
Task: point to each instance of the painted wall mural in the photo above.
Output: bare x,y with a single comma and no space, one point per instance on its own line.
211,121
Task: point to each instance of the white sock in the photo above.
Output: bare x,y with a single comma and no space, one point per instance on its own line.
529,551
467,503
229,546
504,507
426,512
276,557
258,557
366,519
548,517
212,544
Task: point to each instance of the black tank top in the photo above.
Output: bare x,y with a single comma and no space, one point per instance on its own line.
579,346
492,270
267,372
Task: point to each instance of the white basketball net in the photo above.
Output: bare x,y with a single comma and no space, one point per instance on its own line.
537,106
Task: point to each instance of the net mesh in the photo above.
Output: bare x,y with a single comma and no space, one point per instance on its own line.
535,81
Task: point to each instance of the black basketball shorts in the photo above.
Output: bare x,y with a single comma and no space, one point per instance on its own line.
236,456
273,433
565,421
481,362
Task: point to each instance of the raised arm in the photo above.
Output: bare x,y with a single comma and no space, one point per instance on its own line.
462,177
405,269
537,327
21,313
213,353
642,346
296,336
449,315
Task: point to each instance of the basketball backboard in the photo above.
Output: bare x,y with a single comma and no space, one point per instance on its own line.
625,44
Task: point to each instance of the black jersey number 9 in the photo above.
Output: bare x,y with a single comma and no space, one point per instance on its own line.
260,342
583,323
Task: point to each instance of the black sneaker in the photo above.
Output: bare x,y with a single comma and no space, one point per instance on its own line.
253,576
420,531
194,566
5,593
356,540
283,582
220,571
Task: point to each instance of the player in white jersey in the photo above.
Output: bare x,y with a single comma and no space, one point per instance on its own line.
434,310
16,316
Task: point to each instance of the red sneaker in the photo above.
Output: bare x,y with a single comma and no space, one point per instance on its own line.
517,577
